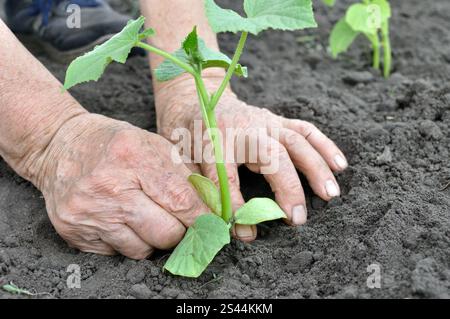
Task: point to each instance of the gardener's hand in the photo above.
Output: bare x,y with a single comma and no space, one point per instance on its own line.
300,145
111,187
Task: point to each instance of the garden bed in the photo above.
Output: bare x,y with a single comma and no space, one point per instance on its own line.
394,210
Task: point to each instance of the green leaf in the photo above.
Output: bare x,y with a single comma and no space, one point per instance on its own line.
202,242
91,66
226,20
341,37
147,33
385,9
329,3
262,15
211,59
208,192
168,70
190,44
258,210
362,18
191,48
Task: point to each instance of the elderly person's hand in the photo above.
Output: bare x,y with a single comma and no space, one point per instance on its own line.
111,187
299,145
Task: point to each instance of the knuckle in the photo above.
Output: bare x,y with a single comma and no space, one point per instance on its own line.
211,173
105,184
171,235
72,243
174,194
308,128
222,123
140,254
125,145
183,198
232,176
114,229
292,139
268,114
239,121
68,213
86,241
179,196
276,150
96,247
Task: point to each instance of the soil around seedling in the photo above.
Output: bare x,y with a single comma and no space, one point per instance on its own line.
394,210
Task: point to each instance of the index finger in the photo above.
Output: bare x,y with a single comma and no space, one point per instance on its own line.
326,147
283,178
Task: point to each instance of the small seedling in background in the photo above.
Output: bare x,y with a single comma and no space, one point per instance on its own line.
370,18
329,3
210,232
13,289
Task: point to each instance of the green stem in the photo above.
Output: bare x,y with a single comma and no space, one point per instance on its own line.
227,209
386,42
202,91
168,56
376,52
237,55
203,104
211,124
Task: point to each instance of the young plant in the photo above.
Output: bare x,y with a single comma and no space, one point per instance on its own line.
370,18
210,232
13,289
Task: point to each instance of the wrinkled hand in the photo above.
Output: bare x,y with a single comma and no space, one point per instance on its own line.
111,187
299,145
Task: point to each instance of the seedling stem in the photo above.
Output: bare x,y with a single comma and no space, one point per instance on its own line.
374,39
210,121
237,55
167,55
227,211
386,42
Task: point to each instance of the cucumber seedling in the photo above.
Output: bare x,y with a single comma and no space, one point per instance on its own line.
15,290
210,232
370,18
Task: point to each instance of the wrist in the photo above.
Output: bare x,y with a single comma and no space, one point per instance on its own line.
72,149
24,146
33,165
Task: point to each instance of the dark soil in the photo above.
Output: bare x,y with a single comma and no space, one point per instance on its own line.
393,212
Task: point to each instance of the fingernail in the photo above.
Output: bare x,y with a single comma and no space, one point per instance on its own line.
243,231
299,215
332,189
341,162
